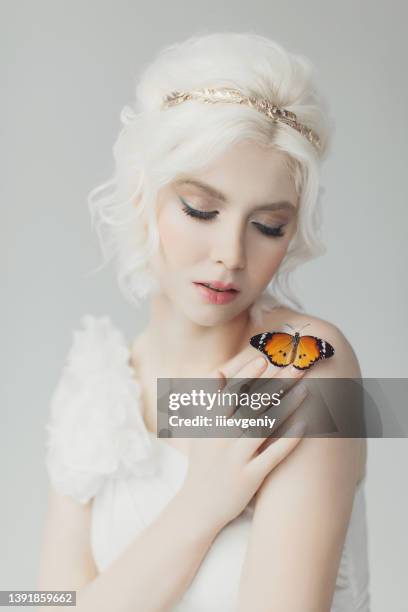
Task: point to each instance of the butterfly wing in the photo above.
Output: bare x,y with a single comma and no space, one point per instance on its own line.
277,346
309,350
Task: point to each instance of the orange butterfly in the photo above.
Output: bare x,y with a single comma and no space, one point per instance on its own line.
283,349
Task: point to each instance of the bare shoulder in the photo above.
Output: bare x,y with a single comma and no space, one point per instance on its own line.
343,364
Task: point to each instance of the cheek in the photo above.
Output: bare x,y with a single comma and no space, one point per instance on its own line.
180,241
266,261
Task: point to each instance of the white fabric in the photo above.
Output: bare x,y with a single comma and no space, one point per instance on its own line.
98,448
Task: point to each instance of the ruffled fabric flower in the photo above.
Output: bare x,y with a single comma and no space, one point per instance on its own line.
96,430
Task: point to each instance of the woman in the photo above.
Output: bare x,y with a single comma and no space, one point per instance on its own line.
210,187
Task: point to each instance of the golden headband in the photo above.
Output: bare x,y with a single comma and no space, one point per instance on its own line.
233,95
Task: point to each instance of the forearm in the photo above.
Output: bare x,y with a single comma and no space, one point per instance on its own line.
156,568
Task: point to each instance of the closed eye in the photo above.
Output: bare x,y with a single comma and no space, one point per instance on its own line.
198,214
269,231
210,215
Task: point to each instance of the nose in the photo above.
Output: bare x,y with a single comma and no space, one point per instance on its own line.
230,249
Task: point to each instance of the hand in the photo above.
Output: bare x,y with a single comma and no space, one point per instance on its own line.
224,473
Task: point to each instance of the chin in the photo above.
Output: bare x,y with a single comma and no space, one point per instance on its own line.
212,315
206,319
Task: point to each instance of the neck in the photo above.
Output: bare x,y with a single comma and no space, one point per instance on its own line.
173,346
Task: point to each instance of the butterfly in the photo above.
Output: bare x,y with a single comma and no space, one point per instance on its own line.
283,348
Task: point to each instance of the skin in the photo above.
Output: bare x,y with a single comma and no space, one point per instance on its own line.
318,476
228,247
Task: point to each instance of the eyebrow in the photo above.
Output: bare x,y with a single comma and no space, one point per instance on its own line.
218,195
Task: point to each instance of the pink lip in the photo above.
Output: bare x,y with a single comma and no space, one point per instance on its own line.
216,297
219,285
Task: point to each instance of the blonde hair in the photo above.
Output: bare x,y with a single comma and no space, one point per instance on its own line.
155,145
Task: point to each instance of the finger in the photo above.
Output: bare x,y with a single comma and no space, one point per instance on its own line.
289,398
247,446
248,443
245,379
226,404
279,384
252,369
228,371
276,374
288,391
288,371
241,382
238,361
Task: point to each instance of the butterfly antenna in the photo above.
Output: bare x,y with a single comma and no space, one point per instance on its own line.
304,326
289,326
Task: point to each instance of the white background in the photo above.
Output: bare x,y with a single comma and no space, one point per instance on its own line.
68,68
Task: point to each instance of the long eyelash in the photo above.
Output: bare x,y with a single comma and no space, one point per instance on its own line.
208,216
270,231
198,214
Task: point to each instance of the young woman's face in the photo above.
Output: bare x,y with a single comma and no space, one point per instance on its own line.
231,222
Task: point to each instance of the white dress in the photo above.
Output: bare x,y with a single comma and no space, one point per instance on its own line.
98,448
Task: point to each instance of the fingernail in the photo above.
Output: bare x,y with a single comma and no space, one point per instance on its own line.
259,362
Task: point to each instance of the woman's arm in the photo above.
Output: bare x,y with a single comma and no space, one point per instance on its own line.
150,575
301,514
66,558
